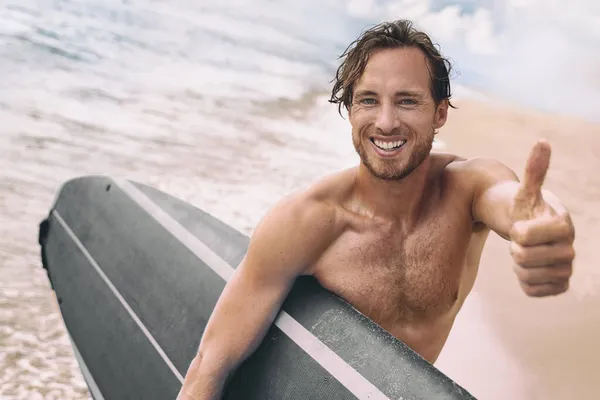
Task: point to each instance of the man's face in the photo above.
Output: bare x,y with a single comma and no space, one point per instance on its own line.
393,114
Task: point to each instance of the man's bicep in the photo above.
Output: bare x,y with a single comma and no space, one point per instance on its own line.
245,310
277,254
494,190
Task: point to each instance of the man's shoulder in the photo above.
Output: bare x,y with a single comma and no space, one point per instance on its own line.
315,208
474,176
299,227
475,169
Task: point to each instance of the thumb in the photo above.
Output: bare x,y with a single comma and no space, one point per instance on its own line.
529,194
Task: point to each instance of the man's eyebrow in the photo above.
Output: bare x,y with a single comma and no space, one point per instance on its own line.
362,93
409,93
400,93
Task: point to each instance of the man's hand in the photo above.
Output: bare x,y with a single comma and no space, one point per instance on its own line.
541,234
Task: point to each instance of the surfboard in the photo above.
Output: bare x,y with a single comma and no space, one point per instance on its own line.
137,273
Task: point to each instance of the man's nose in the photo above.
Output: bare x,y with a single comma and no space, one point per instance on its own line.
387,120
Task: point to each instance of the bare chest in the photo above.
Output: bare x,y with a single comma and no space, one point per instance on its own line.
391,277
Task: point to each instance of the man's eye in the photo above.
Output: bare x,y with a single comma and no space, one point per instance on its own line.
368,102
408,102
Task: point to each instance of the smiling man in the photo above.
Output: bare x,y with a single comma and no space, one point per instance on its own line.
399,236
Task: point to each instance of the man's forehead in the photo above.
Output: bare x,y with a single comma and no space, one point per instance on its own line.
400,65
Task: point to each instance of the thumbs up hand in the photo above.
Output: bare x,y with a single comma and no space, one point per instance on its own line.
542,234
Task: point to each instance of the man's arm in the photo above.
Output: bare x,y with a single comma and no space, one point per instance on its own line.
495,186
495,189
537,224
284,244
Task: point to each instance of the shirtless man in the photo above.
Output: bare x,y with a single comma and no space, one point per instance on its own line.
399,236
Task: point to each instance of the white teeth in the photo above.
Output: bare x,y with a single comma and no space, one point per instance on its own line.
388,145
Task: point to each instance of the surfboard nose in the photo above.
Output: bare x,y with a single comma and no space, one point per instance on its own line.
44,229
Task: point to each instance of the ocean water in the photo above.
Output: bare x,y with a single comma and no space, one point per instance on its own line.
223,104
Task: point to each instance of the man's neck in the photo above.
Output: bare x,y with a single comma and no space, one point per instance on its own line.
396,201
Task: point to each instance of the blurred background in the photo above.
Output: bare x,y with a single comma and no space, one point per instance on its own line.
224,104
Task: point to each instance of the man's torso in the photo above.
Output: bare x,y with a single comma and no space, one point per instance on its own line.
411,280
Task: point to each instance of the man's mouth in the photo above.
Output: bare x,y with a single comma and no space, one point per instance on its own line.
388,145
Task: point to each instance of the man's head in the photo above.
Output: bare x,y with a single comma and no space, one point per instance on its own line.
395,86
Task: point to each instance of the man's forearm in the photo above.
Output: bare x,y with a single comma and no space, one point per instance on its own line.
492,208
203,381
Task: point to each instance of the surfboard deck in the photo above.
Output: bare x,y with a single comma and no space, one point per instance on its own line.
138,272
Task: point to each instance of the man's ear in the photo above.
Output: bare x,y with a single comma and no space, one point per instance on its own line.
441,114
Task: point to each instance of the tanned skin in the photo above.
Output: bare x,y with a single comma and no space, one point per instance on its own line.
399,237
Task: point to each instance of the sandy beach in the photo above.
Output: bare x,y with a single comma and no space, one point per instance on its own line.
505,345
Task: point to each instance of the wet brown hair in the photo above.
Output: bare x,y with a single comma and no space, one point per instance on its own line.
388,35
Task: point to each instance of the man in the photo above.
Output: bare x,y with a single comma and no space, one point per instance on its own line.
399,236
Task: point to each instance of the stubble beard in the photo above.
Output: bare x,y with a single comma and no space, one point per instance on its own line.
393,169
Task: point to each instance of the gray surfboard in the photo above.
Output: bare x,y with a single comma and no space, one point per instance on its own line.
137,273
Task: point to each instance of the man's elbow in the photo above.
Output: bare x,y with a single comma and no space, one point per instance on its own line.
212,363
206,376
